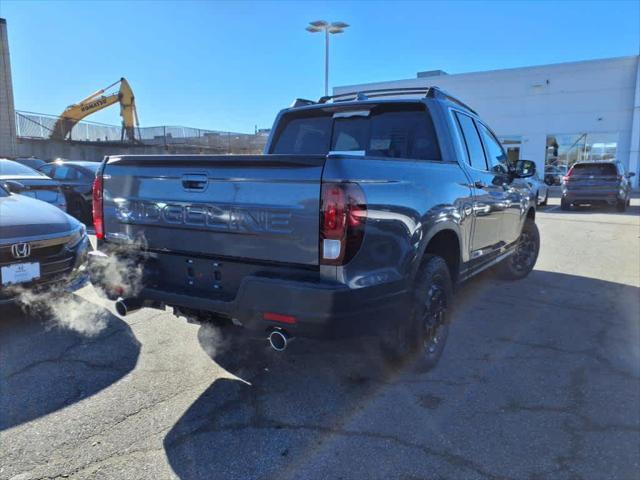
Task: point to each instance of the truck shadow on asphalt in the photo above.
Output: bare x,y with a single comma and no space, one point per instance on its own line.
559,346
45,367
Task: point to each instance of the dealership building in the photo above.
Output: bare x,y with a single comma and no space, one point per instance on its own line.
554,114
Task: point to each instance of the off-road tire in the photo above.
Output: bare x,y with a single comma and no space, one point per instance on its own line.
423,335
519,264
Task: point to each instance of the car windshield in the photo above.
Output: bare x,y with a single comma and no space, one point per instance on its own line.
8,167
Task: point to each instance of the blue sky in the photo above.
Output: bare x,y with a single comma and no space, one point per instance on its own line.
232,65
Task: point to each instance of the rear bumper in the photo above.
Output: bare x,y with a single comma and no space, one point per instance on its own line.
586,196
321,309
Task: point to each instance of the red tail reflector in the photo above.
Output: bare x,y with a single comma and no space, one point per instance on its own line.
98,220
343,212
279,317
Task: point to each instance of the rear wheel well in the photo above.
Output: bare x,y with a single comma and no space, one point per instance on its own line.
445,244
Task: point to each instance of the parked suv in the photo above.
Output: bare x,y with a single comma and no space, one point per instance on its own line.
359,219
596,183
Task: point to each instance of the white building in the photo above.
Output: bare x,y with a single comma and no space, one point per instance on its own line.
552,114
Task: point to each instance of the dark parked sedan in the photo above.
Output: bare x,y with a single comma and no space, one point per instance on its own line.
31,162
76,178
21,179
40,245
596,183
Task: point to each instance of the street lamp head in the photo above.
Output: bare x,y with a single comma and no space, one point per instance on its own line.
322,26
319,23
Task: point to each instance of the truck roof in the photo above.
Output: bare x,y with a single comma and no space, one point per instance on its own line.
377,96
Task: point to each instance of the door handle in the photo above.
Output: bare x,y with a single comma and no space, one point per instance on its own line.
479,184
194,182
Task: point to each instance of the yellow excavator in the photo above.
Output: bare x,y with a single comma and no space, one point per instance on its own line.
96,102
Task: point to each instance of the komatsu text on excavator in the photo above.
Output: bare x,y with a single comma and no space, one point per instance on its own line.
95,102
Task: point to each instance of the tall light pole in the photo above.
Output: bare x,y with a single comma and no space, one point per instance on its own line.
327,28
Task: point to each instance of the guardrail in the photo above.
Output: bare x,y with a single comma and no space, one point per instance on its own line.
40,126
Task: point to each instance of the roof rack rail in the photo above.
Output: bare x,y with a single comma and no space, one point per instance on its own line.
379,92
299,102
436,92
429,92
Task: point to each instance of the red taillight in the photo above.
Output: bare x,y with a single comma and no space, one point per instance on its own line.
98,222
343,212
565,179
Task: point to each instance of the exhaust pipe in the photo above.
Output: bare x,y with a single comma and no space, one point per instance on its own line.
279,339
128,305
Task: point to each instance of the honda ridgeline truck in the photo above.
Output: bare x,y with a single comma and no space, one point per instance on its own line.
360,218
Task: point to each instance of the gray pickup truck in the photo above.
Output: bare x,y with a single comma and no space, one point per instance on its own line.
361,217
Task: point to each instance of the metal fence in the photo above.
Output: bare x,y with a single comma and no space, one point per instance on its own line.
40,126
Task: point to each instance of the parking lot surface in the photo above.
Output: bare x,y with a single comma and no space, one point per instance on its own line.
540,379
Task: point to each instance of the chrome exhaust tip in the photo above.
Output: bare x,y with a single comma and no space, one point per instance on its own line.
128,305
278,339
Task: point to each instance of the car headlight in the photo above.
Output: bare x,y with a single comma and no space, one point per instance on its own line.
77,236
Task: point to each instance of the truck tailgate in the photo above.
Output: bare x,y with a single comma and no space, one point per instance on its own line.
261,207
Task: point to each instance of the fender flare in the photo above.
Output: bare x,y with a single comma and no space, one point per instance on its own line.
424,242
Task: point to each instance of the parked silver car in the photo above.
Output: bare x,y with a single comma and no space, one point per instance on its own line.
539,188
26,181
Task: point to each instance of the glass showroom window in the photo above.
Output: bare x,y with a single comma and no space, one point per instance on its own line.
512,146
565,150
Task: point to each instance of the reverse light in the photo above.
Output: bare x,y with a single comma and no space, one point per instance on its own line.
98,219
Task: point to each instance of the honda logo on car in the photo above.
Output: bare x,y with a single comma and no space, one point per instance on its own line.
20,250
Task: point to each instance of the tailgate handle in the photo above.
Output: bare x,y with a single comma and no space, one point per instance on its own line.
195,182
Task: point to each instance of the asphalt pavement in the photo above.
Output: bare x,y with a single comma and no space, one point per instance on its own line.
540,379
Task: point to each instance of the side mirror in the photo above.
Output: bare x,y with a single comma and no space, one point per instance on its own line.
13,186
525,169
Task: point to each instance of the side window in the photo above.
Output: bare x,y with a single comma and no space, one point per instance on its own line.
498,161
472,141
65,173
47,170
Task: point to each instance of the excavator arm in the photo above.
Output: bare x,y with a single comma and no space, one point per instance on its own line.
96,102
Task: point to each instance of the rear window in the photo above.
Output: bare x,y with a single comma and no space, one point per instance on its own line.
304,136
8,167
386,131
596,169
